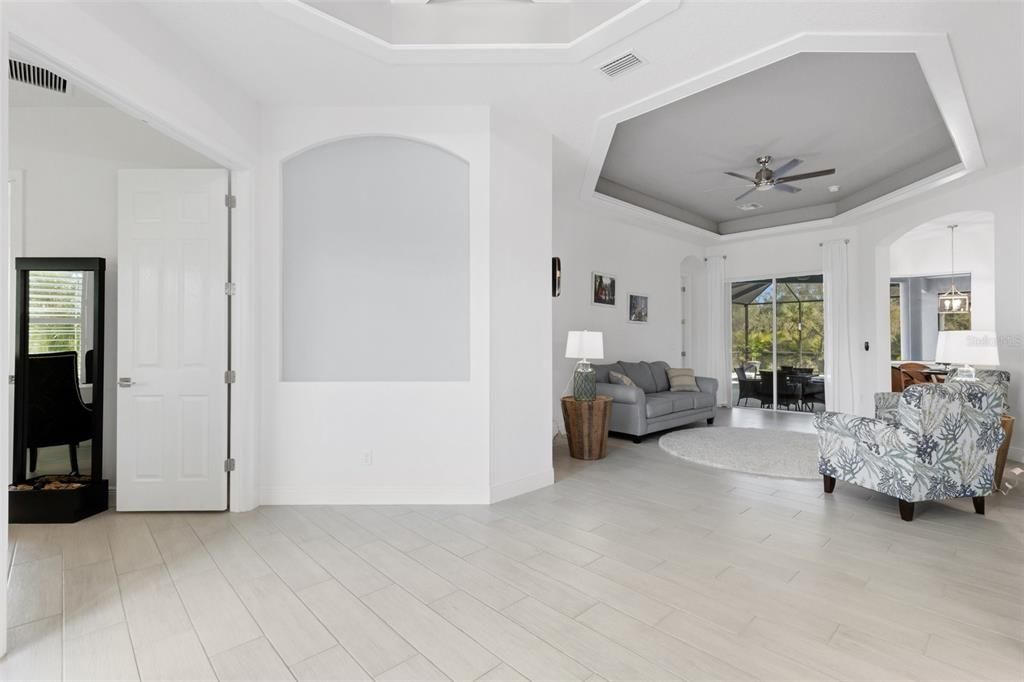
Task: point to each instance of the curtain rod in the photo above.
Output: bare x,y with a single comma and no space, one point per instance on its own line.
845,241
722,257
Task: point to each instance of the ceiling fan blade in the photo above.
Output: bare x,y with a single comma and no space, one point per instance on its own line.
745,194
805,176
741,177
788,166
790,189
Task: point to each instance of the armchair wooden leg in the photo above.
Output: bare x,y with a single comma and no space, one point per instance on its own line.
711,420
906,510
638,439
979,505
830,483
73,451
33,459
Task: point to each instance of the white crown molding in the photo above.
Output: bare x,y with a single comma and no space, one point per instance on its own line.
608,33
935,55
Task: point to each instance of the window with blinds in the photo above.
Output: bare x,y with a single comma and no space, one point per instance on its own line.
56,312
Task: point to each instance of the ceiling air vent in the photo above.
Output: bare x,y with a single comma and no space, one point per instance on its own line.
752,206
37,76
621,64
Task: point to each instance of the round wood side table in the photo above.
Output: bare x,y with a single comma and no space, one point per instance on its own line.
586,424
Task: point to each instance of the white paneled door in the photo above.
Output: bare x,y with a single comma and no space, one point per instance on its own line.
172,340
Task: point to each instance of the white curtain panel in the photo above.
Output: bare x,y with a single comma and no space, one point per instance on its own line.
719,328
839,378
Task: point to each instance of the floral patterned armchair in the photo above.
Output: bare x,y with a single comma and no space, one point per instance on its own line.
941,444
887,404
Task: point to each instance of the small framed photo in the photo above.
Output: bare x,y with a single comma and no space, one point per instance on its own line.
638,308
602,289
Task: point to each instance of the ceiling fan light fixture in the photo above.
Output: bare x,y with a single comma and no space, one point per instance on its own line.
766,178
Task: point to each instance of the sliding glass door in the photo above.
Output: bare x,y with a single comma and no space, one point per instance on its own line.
778,349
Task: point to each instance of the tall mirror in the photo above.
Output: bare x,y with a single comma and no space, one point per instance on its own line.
58,391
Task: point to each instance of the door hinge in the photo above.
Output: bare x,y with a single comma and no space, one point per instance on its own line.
230,376
230,201
10,378
229,464
230,288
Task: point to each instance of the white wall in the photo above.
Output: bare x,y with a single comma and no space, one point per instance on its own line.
418,442
5,321
520,307
120,50
70,157
643,261
997,192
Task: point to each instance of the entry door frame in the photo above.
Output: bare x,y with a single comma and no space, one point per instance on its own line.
241,165
243,485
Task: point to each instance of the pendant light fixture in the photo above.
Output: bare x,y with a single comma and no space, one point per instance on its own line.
954,300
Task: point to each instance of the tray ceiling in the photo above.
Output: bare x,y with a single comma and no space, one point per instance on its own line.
871,116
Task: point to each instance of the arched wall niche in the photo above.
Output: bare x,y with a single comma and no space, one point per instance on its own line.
375,262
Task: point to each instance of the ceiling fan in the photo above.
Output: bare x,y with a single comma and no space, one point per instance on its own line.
766,179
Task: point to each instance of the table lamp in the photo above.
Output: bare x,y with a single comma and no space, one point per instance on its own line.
967,348
584,346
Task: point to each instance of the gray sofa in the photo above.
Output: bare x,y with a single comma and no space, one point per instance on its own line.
650,406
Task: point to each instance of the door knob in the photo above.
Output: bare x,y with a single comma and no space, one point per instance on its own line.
125,382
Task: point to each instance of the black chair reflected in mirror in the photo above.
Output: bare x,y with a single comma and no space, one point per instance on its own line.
55,414
89,354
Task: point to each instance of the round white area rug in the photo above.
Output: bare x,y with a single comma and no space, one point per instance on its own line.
766,452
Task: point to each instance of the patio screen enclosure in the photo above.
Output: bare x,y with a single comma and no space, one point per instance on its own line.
778,323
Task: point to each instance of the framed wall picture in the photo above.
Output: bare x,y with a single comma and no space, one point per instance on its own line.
602,289
637,308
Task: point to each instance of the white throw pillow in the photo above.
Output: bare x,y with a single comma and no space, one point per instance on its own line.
682,380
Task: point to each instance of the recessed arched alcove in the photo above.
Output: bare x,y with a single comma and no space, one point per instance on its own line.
928,259
375,262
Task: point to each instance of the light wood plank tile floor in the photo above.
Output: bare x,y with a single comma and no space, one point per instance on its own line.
639,566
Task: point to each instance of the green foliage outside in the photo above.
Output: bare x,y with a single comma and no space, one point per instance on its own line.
895,324
801,328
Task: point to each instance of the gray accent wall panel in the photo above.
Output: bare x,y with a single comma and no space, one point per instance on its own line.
375,263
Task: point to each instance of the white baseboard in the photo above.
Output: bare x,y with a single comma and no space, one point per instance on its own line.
336,495
523,485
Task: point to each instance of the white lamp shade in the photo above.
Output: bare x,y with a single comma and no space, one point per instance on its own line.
589,345
968,348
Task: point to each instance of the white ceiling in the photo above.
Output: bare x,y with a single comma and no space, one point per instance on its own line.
279,63
871,117
967,222
23,95
461,22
